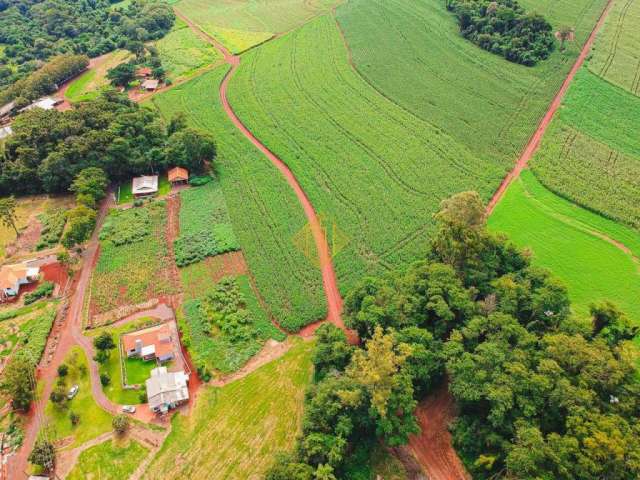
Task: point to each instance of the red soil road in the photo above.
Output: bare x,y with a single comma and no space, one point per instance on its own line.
534,141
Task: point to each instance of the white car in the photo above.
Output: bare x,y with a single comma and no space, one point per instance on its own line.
73,391
128,409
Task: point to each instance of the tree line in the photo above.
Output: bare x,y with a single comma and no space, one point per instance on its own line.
31,32
540,393
503,27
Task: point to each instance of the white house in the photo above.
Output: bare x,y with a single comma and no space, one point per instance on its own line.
167,390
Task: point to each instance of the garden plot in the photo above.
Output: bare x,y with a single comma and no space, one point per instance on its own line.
134,265
111,460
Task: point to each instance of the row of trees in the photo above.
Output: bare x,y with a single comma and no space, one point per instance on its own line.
49,148
33,31
541,394
504,28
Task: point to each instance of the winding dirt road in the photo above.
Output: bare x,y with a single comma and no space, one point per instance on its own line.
534,141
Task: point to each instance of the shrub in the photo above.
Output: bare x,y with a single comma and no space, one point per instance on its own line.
120,424
74,417
63,369
105,379
44,290
199,180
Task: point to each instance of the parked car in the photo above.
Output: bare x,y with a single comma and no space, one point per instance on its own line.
128,409
73,391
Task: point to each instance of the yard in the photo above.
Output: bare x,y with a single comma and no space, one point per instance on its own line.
110,460
137,370
124,195
93,420
88,85
234,432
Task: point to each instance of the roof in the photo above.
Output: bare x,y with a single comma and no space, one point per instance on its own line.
10,275
177,174
143,71
45,103
7,108
5,132
150,84
165,387
145,184
150,337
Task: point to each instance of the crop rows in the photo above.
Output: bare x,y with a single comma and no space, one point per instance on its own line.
264,211
132,266
371,169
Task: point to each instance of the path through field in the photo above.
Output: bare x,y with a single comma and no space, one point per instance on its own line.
534,141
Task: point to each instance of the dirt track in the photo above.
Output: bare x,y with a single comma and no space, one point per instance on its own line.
534,141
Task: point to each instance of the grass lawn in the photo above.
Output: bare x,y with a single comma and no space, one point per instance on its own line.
235,431
571,242
93,419
111,460
138,370
124,195
88,85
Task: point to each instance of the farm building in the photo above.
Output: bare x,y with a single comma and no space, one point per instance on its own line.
150,85
13,276
167,390
178,175
5,132
145,186
6,110
150,344
143,72
45,103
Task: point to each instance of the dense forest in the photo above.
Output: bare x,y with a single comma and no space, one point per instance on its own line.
504,28
31,32
49,148
541,394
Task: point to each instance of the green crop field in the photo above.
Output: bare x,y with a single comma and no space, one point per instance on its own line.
616,55
26,329
373,171
591,152
241,24
206,231
413,53
183,52
132,266
576,245
265,213
88,85
234,431
110,460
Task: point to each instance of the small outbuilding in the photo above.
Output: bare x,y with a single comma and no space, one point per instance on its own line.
178,175
150,84
144,186
7,109
45,103
143,72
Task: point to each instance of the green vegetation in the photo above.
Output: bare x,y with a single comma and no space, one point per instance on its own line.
264,211
110,460
53,222
504,28
45,289
578,246
487,104
617,50
206,231
88,85
183,52
137,370
234,431
132,266
377,182
29,333
93,419
124,194
225,326
245,23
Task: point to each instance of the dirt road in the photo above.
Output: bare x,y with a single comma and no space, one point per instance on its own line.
534,142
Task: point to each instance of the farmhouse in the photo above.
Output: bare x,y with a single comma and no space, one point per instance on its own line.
178,175
150,84
143,72
13,276
150,344
167,390
145,186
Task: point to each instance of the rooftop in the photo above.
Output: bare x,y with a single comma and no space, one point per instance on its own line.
165,387
155,340
177,174
145,184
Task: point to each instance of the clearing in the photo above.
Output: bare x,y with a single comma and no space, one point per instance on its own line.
110,460
88,85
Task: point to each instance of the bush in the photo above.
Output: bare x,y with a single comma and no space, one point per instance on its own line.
198,181
120,424
63,370
74,417
44,290
105,379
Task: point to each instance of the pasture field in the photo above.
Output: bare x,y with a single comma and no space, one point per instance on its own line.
133,262
371,169
595,257
241,24
234,432
264,211
214,349
26,329
183,52
616,55
88,85
110,460
94,420
206,231
591,152
413,53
